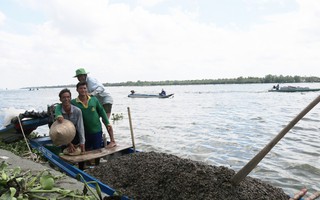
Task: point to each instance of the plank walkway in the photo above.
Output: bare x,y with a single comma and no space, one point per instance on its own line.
97,153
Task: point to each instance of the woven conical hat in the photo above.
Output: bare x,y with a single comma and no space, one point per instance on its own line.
75,153
62,133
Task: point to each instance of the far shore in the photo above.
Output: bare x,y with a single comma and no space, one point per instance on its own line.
239,80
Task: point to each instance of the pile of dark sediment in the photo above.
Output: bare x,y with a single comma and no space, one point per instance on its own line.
150,175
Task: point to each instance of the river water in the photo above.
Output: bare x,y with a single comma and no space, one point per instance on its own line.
216,124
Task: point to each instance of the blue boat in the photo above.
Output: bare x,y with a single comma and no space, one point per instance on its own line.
44,145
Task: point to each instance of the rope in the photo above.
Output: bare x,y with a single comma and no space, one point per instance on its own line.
25,139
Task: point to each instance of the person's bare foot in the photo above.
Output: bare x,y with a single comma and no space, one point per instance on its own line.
111,144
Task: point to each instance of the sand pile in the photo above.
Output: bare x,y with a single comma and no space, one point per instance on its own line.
150,175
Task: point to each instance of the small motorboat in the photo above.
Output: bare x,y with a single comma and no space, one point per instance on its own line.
161,95
136,95
293,89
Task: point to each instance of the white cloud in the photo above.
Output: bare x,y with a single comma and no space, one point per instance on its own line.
120,42
150,3
2,18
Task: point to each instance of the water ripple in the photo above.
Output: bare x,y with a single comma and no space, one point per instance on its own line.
218,124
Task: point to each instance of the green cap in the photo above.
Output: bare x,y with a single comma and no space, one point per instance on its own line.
80,71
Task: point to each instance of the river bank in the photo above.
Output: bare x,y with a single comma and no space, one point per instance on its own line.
27,164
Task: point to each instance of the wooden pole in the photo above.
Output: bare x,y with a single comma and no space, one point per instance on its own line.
25,139
131,130
238,177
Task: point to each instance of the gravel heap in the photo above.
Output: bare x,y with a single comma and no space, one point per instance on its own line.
150,175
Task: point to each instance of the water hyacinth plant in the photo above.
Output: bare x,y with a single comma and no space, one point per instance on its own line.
18,185
116,116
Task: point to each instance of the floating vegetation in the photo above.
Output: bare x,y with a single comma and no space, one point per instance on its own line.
116,116
16,184
20,148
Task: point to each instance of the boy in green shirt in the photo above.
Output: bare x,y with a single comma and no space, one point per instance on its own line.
92,110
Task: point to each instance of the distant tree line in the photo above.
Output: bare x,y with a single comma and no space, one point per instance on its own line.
240,80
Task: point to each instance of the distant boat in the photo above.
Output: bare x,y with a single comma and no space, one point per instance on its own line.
293,89
136,95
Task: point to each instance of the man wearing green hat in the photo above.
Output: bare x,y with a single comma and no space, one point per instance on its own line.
96,89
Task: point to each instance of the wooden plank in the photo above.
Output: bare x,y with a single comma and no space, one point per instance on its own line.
97,153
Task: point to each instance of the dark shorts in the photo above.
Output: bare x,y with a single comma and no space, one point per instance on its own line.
93,141
76,139
107,107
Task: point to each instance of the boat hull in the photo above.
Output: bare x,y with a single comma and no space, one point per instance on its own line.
149,96
42,144
13,132
295,90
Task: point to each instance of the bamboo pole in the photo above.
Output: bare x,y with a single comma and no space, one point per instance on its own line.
242,173
25,139
131,130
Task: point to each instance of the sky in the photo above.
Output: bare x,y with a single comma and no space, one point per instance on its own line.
42,43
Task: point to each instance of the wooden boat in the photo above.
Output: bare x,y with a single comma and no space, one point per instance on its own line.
66,163
29,121
136,95
293,89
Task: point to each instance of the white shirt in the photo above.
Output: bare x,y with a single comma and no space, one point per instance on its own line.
95,88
